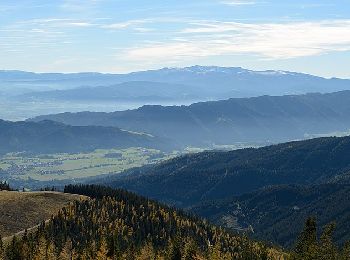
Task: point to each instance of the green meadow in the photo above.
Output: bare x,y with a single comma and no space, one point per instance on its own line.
48,167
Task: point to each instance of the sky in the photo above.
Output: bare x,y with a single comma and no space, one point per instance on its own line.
120,36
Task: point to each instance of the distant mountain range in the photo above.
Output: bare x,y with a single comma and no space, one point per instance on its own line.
198,82
262,190
24,94
260,119
133,91
53,137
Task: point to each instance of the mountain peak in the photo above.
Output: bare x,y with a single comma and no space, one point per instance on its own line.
198,69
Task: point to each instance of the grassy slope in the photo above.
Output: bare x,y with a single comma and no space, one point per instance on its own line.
23,210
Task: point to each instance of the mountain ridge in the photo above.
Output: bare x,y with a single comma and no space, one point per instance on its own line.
193,68
52,137
263,119
234,81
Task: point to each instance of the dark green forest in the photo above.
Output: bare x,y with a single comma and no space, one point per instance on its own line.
277,213
270,190
190,179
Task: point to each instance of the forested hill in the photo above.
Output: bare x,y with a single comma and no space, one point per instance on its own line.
268,192
190,179
115,224
277,213
52,137
258,119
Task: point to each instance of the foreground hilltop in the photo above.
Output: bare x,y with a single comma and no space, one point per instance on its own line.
24,210
115,224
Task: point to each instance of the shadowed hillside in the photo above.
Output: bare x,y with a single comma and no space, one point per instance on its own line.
276,214
262,191
189,179
259,119
52,137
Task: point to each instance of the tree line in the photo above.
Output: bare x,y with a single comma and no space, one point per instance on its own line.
5,186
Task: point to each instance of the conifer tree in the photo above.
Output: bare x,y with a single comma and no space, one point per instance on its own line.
40,252
67,251
215,252
345,254
190,250
102,253
51,251
174,252
306,247
147,252
2,253
327,249
13,252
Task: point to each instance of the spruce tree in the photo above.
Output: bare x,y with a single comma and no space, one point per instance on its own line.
345,254
40,252
327,249
174,252
2,253
51,251
190,250
102,253
306,246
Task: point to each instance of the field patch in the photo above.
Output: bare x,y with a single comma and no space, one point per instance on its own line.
64,166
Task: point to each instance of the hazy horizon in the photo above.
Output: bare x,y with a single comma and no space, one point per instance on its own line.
175,67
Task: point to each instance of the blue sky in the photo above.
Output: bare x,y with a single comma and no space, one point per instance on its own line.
129,35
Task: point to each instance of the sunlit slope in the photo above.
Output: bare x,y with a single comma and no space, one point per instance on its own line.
23,210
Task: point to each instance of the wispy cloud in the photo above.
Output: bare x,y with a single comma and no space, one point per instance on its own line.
238,2
144,29
37,33
56,23
268,40
6,8
79,24
79,5
124,25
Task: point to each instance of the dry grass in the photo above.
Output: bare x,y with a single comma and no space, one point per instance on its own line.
23,210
